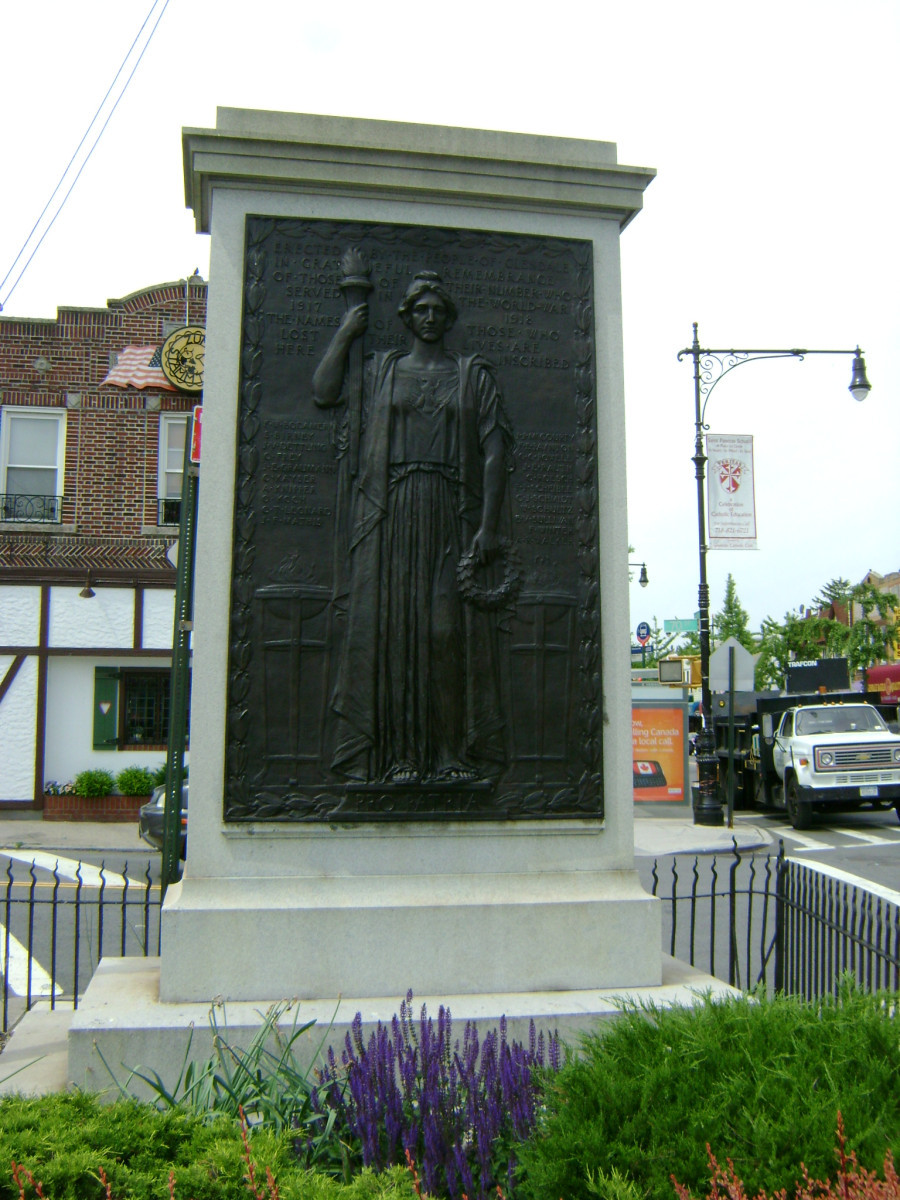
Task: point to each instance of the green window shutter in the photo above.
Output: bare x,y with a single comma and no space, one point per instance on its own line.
106,708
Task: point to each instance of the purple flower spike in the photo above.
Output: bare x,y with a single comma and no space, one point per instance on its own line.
459,1110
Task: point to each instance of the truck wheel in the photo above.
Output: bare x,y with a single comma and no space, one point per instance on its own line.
799,811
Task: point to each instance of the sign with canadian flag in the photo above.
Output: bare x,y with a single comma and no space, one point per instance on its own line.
729,489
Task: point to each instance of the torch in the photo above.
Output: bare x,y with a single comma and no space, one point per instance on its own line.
356,286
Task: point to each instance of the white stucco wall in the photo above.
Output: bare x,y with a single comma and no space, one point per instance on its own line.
70,721
159,618
17,732
106,619
20,614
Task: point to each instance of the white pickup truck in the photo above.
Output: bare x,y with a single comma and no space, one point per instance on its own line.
834,756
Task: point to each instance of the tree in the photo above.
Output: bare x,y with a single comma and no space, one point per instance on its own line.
864,641
872,636
797,636
660,643
835,591
732,621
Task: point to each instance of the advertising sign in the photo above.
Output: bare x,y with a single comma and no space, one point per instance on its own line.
659,751
732,506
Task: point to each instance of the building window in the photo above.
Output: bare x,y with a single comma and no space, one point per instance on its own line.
145,708
172,431
32,454
131,707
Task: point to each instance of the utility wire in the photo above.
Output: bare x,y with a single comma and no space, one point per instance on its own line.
78,148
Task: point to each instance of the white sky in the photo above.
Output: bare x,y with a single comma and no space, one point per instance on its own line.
772,222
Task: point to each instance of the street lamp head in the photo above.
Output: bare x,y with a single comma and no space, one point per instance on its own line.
643,579
859,384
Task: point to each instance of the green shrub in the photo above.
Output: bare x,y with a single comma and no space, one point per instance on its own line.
853,1182
761,1080
93,783
135,781
65,1139
159,774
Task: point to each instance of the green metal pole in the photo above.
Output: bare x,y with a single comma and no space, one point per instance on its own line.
181,665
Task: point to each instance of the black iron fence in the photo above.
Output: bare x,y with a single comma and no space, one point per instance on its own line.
719,914
55,928
829,927
770,922
755,921
16,506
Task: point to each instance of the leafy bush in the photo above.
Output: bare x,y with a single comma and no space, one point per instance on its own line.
93,783
458,1111
66,1140
759,1079
135,781
853,1181
159,774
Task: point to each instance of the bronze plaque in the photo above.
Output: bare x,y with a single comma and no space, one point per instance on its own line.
415,609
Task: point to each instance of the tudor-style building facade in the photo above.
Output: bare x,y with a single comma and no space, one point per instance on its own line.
90,485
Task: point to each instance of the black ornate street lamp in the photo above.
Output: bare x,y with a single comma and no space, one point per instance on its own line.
643,578
710,366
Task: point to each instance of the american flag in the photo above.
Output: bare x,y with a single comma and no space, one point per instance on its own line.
140,367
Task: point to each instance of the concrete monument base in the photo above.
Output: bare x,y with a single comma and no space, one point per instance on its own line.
453,909
122,1024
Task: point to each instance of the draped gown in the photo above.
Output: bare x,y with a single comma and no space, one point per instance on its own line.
418,692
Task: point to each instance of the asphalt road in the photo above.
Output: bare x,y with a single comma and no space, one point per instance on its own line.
865,844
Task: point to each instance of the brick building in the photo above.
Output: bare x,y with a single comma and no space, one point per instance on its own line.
90,481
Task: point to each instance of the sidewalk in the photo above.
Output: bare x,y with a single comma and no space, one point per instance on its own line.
674,832
19,831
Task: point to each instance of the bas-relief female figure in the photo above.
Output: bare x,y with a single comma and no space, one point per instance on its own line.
417,698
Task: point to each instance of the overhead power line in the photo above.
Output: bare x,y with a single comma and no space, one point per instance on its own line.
87,157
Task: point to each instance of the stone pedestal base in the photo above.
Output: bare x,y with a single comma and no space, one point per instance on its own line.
253,938
122,1024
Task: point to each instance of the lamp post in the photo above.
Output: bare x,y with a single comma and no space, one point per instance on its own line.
710,367
643,580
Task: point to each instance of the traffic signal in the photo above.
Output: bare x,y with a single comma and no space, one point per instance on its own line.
680,670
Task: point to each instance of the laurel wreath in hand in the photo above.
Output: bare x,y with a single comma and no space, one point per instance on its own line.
490,599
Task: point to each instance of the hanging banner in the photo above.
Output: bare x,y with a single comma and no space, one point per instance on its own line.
732,505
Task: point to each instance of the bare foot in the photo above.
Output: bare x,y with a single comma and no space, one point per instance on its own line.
402,773
457,773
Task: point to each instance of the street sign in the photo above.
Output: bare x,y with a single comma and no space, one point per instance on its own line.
643,633
744,663
682,625
195,433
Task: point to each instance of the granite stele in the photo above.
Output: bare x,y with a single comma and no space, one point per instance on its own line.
410,731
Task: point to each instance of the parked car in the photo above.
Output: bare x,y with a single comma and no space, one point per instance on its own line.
150,818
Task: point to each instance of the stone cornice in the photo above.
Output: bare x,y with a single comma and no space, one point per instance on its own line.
395,161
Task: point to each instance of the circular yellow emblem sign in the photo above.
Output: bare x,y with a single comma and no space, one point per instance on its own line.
182,358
